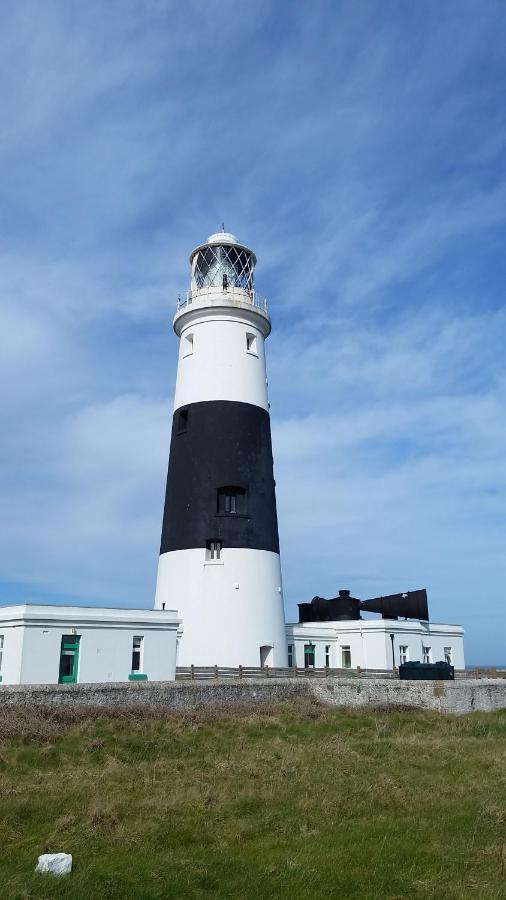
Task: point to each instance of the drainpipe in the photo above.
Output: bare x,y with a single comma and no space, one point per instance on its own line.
392,637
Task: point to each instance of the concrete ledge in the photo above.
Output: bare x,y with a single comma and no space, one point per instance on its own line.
462,696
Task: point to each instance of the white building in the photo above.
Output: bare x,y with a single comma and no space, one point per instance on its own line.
369,644
69,644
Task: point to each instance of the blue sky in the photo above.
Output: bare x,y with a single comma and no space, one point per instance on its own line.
359,148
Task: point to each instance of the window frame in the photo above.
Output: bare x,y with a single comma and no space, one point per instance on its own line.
137,649
403,653
426,654
309,654
2,646
251,343
345,649
227,496
183,416
188,348
327,655
290,655
214,547
447,652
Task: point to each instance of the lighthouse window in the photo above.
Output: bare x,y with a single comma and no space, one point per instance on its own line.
213,549
232,501
251,343
188,345
182,421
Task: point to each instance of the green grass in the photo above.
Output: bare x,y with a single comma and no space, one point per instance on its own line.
287,802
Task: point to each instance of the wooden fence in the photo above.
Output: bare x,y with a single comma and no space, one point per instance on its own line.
204,673
199,673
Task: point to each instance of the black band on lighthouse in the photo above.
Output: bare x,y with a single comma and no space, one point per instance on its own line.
220,483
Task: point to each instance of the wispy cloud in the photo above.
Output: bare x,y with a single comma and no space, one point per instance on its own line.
360,150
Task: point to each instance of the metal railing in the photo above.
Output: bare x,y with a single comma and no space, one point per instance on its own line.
231,293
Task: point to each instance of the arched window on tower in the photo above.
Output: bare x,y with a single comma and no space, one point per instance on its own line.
232,501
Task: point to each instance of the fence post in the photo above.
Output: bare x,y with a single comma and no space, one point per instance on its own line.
359,671
192,672
240,671
266,671
216,671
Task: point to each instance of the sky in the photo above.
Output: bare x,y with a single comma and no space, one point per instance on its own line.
359,149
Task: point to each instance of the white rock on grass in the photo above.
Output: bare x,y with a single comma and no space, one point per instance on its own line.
55,863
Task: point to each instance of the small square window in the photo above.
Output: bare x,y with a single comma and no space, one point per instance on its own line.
251,343
187,345
232,501
182,421
213,549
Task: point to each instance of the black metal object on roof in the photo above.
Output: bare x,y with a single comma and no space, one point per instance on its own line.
409,605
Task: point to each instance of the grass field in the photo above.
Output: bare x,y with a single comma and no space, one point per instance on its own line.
287,802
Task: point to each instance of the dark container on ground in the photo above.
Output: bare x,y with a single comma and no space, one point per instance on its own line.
417,671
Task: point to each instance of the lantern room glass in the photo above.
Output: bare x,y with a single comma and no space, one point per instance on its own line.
224,266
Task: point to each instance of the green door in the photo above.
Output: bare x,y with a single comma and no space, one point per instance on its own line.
69,659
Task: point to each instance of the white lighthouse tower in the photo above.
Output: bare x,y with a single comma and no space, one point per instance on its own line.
219,556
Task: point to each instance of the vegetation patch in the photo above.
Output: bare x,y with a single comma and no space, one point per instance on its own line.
288,801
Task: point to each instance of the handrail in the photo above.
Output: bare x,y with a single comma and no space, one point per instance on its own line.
231,293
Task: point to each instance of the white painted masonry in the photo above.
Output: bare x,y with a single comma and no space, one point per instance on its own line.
220,367
33,637
232,608
229,607
370,643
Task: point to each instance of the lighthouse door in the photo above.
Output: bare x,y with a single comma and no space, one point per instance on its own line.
265,655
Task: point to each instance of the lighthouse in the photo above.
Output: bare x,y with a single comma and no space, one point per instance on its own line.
219,556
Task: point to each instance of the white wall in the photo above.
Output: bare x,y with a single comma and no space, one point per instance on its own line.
105,654
220,367
12,652
229,608
32,643
370,643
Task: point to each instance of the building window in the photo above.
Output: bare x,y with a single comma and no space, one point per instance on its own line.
345,657
1,653
182,421
232,501
403,653
69,659
327,656
188,345
290,655
309,651
137,648
251,344
426,654
213,549
448,652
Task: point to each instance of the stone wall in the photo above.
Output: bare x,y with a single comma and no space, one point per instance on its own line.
462,696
